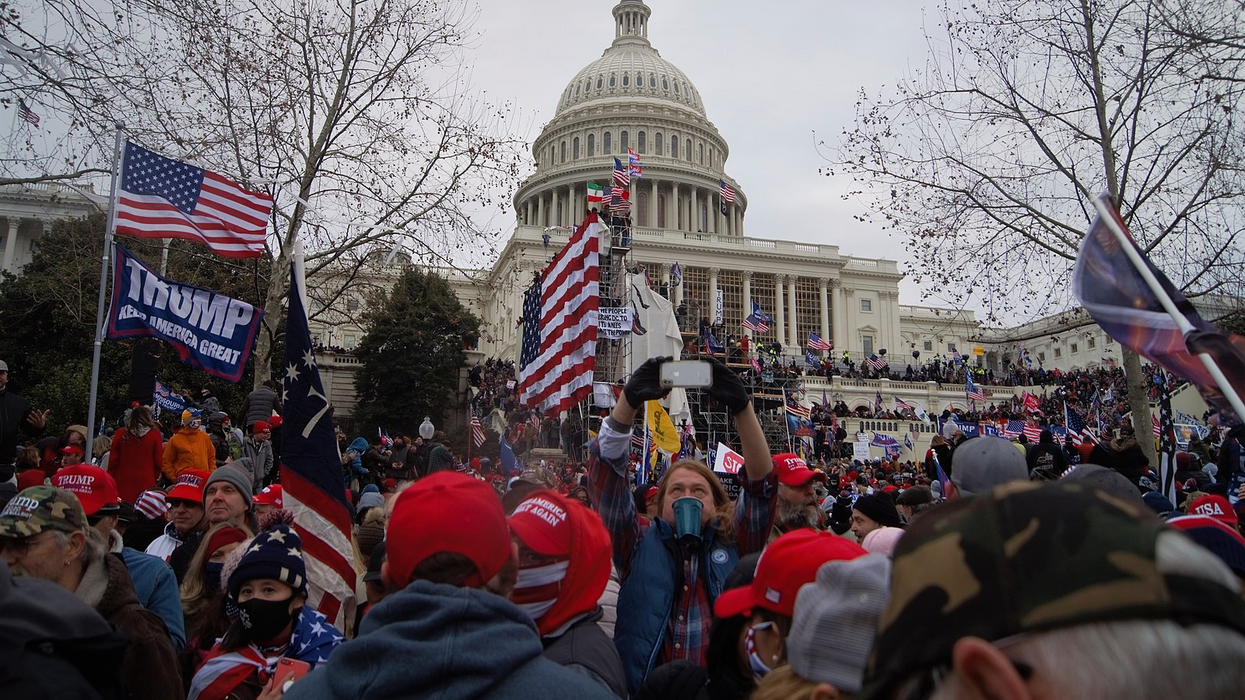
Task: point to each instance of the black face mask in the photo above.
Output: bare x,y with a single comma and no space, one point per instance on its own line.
264,619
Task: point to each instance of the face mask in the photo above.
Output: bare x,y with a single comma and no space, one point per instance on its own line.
757,666
536,588
264,619
213,574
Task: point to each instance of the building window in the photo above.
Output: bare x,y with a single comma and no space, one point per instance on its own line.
640,142
1041,357
652,80
661,210
711,151
1075,348
676,87
613,80
352,304
657,143
1058,353
665,85
349,342
577,90
587,85
622,142
700,153
592,145
605,145
929,346
563,151
950,347
575,149
1110,340
688,150
626,79
866,305
867,345
674,146
641,218
1090,343
639,80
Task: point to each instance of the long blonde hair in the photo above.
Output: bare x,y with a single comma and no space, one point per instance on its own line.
783,684
195,593
724,509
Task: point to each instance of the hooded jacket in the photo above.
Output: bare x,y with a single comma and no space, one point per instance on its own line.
432,640
189,448
150,667
135,461
1123,455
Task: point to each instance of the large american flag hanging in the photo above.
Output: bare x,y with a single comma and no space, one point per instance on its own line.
311,473
559,346
163,198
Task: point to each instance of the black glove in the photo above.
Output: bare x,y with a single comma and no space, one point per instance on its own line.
645,382
727,389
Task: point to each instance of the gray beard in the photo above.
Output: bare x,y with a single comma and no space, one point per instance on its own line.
793,516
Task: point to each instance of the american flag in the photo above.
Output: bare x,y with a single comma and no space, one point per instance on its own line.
620,200
1077,429
901,405
637,438
163,198
621,175
559,346
725,192
1014,428
877,363
796,409
817,343
1033,432
972,391
477,430
26,114
758,320
311,471
634,166
1167,436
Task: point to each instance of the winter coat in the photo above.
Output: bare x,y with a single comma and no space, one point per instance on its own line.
260,454
189,448
135,462
155,587
259,405
468,643
1123,455
13,412
150,666
584,646
440,459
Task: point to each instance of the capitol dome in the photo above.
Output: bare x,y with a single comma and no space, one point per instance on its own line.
633,100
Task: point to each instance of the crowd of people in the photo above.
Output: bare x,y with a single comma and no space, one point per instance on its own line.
167,567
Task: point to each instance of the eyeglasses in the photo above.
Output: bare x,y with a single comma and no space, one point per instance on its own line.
20,546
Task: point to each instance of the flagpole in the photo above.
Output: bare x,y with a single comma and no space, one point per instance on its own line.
1182,323
785,413
645,454
104,259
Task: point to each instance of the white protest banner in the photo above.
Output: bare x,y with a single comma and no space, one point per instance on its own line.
860,451
727,461
614,322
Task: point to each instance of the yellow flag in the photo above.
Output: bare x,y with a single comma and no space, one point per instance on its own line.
665,435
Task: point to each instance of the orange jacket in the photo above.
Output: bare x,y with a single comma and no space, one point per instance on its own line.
188,449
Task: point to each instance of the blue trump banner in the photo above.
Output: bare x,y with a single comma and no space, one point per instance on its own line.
207,329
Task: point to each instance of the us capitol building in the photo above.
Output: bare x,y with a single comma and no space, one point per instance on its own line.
632,98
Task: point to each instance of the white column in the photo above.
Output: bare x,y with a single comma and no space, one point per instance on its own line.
739,221
849,323
822,283
665,277
528,207
675,223
735,220
780,312
540,210
793,327
695,213
713,294
10,243
652,204
839,322
747,276
713,212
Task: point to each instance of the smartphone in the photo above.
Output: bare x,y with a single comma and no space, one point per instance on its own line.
686,373
290,670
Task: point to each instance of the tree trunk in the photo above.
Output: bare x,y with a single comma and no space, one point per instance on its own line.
265,341
1139,402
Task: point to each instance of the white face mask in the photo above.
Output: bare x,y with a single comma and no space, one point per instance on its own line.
758,667
536,588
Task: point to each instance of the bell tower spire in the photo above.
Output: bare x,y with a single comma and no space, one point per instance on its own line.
631,22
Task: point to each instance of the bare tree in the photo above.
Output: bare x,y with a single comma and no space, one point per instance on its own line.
354,114
986,161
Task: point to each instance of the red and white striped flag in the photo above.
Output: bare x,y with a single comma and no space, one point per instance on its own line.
559,347
477,430
163,198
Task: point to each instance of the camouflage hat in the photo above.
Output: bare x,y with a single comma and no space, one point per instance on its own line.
1028,557
41,508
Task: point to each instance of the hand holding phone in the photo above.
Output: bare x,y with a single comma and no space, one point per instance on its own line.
686,373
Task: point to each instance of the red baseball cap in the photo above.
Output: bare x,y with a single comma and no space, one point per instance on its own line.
93,486
447,512
274,422
189,486
790,562
1216,507
72,450
260,427
270,496
540,522
793,471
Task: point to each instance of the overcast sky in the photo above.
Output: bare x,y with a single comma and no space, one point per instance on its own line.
770,75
